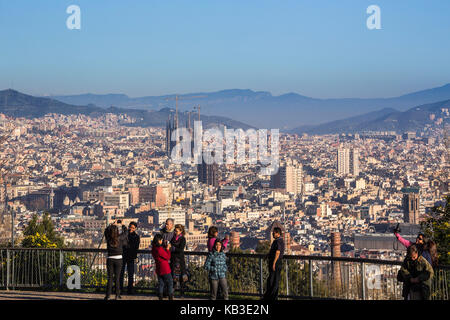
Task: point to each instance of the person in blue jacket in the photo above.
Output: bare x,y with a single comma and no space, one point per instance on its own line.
216,265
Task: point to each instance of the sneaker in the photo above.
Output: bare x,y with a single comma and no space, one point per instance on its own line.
118,297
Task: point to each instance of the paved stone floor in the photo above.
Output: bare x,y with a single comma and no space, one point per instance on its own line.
42,295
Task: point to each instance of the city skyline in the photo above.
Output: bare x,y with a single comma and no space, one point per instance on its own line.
311,139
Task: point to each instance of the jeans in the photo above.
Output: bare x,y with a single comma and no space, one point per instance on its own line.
113,267
129,265
214,284
165,281
273,281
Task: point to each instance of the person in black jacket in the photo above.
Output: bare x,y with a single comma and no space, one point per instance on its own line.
275,259
177,261
114,244
129,256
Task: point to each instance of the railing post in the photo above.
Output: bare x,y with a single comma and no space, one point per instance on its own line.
287,278
8,271
261,280
363,287
12,280
311,284
61,268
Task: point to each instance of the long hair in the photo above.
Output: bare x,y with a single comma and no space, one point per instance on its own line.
112,236
432,249
181,228
211,231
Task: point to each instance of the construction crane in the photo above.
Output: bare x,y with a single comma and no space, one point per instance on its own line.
176,98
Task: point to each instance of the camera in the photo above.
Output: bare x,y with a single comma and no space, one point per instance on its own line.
397,228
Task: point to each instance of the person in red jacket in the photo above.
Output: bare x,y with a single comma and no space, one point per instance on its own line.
162,258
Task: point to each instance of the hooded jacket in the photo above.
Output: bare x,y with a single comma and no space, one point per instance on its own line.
216,265
419,268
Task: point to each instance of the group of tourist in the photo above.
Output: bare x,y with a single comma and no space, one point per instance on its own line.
168,253
168,247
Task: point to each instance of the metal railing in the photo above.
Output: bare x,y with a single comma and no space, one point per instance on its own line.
302,277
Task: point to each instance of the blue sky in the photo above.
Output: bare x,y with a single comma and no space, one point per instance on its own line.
319,48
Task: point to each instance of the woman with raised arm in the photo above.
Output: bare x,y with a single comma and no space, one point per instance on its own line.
115,241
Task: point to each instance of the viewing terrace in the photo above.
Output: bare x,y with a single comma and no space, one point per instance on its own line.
52,274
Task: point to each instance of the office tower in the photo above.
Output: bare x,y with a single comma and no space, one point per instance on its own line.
348,161
343,165
354,162
289,177
208,173
411,203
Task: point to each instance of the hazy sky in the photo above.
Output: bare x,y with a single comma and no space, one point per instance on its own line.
318,48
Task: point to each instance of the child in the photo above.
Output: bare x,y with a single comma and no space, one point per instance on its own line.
213,234
216,265
162,258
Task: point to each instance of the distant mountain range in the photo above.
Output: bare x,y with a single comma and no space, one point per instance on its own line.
263,110
17,104
410,114
383,120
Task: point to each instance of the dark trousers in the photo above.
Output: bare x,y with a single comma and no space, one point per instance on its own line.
129,265
113,267
165,282
215,285
273,282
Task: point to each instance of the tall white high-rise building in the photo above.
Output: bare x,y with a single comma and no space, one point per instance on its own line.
348,161
289,177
